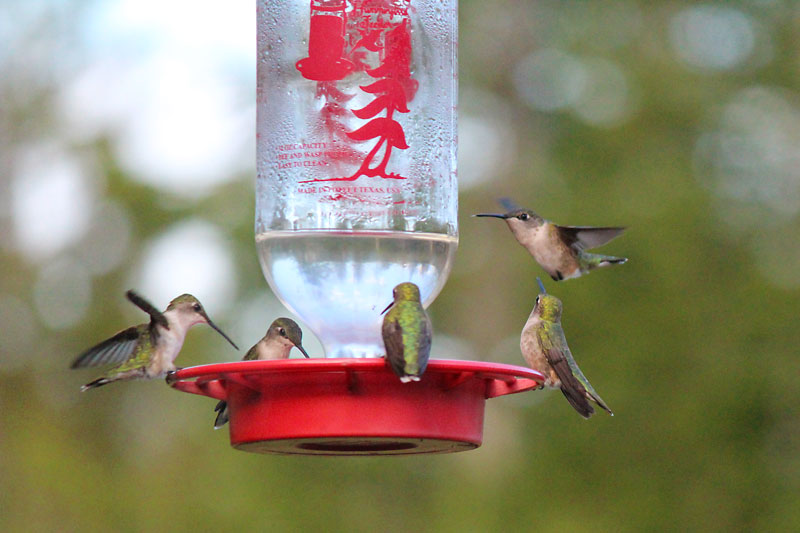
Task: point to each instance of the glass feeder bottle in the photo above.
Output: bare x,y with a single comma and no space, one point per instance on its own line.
356,189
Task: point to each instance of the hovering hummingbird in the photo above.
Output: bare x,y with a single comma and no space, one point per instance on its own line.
283,335
545,349
147,351
558,249
407,333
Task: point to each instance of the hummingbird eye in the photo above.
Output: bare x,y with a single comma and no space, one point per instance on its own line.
282,332
197,307
537,301
523,216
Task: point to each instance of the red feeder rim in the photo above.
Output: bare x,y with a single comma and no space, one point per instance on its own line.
354,406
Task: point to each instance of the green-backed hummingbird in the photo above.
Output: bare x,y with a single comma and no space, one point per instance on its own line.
560,250
407,333
545,349
283,335
147,351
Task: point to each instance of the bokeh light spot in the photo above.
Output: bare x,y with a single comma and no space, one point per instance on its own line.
168,90
107,242
607,99
190,257
62,293
486,139
712,37
753,150
550,79
182,139
51,200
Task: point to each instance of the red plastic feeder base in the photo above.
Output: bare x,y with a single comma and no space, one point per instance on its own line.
354,406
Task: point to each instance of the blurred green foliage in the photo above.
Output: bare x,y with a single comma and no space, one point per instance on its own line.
692,342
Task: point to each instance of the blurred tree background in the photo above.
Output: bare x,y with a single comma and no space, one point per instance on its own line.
127,160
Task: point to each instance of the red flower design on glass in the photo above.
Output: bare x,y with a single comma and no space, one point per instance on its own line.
393,90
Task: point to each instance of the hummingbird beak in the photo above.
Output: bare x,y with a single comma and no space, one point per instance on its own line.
493,215
210,323
303,350
387,308
541,285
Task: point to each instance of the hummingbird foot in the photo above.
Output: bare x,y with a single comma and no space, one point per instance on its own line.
172,376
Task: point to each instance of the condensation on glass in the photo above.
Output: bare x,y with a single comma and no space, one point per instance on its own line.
356,187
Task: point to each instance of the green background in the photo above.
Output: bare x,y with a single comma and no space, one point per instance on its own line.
693,342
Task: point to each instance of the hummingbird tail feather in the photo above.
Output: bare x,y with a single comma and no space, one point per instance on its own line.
601,403
592,261
222,414
578,402
99,382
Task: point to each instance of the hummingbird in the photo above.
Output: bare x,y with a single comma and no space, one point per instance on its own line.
147,351
407,333
283,335
545,349
560,250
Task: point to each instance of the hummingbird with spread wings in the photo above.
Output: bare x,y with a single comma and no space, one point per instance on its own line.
149,350
560,250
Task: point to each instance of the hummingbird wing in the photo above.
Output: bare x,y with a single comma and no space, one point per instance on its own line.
587,237
111,351
222,414
156,316
393,342
252,353
508,204
264,350
556,351
424,347
142,352
586,385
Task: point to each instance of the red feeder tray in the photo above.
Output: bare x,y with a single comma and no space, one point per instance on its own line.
354,406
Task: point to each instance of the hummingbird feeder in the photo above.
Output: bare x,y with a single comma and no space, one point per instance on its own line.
356,192
353,406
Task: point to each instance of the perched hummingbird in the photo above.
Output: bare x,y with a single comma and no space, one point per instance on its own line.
407,333
283,335
558,249
147,351
545,349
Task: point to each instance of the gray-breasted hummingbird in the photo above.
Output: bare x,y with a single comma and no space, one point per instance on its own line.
558,249
407,333
283,335
147,351
545,349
